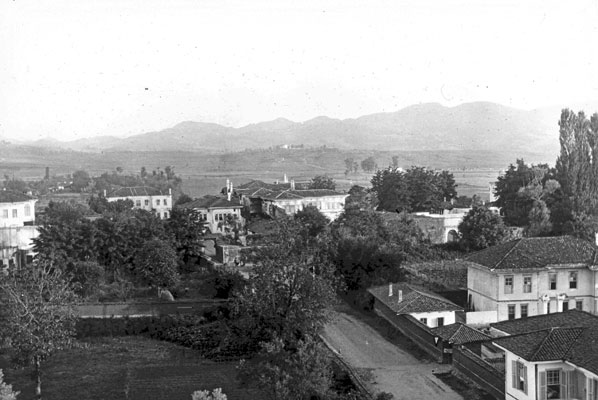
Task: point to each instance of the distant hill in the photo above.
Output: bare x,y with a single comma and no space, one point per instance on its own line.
479,126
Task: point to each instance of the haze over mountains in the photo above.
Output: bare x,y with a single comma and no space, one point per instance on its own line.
431,126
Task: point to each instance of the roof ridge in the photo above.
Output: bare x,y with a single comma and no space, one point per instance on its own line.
508,252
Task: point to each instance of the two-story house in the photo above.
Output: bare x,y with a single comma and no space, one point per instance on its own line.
17,228
220,214
552,356
145,198
532,276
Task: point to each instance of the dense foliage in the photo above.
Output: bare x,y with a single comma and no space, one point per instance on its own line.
416,189
482,228
322,182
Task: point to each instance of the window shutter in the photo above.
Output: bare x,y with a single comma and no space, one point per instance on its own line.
564,383
542,385
525,379
572,384
514,374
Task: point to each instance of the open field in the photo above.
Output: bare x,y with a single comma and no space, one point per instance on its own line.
132,368
204,173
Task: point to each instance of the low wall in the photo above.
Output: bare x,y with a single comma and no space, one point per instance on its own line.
481,317
481,372
419,333
150,309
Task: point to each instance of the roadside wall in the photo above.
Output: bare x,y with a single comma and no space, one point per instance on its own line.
419,333
481,372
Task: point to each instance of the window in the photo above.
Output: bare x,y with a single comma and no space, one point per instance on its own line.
27,210
573,280
593,389
524,310
15,213
4,213
579,304
553,384
157,202
165,214
552,281
440,321
511,311
146,202
138,203
519,375
165,202
527,284
508,284
424,321
548,307
565,306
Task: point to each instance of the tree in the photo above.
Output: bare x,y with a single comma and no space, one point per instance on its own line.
368,165
481,228
156,264
38,315
81,180
297,373
416,189
361,198
312,220
349,165
322,182
186,227
6,392
216,394
539,220
395,162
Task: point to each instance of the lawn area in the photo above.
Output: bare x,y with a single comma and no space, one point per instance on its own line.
131,368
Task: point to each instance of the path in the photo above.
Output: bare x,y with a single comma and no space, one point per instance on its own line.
392,369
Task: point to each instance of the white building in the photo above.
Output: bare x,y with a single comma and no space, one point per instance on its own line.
17,228
551,356
428,308
533,276
145,198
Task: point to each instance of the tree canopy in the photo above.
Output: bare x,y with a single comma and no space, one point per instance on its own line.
322,182
482,228
416,189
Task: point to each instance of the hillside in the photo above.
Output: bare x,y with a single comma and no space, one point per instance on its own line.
479,126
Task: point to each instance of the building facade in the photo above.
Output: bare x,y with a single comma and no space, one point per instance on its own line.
17,228
219,214
145,198
533,276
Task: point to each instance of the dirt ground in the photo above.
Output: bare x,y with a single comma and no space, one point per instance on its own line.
385,367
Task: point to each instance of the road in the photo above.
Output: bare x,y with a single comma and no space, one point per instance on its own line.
391,369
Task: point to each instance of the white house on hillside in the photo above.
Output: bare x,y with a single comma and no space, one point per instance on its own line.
145,198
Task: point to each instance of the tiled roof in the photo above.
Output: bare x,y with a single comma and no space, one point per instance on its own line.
135,192
414,300
574,338
546,321
300,194
7,196
211,202
459,333
532,253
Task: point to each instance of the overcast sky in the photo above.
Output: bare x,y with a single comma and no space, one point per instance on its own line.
81,68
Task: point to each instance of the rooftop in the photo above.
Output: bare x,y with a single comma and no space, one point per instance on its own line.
534,253
414,300
7,196
573,337
459,333
281,191
135,192
211,202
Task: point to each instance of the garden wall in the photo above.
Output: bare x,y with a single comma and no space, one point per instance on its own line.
150,309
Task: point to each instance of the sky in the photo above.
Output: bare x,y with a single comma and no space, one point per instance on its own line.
83,68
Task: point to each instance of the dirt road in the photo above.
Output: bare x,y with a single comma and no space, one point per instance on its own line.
390,368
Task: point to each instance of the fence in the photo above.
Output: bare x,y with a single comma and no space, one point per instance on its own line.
419,333
151,309
481,372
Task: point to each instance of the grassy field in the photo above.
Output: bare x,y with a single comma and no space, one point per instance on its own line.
207,173
132,368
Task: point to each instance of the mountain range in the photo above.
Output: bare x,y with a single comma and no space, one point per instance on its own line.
480,126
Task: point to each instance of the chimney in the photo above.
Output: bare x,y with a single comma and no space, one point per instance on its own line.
170,191
285,179
104,192
400,296
292,184
596,238
390,290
